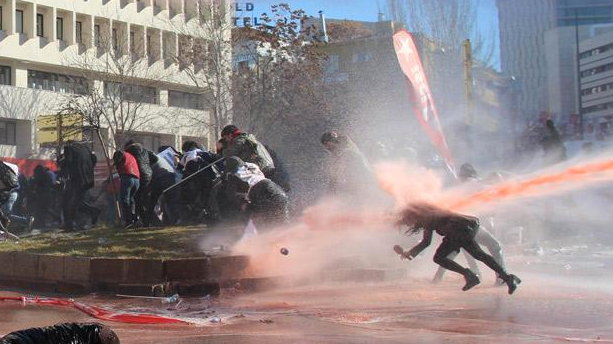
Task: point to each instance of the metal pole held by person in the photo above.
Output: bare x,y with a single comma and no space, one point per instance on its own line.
192,175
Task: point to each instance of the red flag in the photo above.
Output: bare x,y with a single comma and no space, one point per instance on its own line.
419,92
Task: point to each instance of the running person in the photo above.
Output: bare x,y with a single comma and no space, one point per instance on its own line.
458,232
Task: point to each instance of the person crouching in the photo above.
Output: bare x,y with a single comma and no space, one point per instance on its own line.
258,197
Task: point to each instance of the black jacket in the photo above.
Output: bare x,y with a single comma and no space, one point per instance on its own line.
144,159
58,334
79,165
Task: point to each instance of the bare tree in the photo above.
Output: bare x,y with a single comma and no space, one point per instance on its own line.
446,22
281,94
205,56
284,85
113,87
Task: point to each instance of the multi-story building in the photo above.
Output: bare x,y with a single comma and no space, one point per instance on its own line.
375,101
537,46
596,66
50,49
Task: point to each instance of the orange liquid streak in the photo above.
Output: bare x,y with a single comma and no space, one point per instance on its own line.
522,188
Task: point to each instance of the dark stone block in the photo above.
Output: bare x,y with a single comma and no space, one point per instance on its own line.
7,261
25,265
143,271
197,289
73,288
186,269
230,267
107,270
51,268
134,289
77,269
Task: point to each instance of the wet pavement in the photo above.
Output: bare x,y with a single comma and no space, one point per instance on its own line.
559,305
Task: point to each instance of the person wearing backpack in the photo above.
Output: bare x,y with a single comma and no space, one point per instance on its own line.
9,186
248,148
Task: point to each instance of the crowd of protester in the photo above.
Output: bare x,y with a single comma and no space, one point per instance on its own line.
241,179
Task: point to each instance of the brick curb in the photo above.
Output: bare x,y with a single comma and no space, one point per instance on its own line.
78,275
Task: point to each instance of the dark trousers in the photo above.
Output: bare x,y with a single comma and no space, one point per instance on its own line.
127,190
74,200
158,185
484,238
142,200
450,245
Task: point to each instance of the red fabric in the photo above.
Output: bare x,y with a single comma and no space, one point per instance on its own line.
97,312
419,92
26,166
234,135
128,166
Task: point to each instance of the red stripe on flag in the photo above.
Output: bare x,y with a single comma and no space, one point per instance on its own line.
420,95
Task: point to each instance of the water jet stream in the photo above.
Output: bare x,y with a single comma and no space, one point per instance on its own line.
595,171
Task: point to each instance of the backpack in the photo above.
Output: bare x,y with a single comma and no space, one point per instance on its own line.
266,163
8,179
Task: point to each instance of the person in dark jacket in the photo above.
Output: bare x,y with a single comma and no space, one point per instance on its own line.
129,183
468,175
248,148
42,192
258,197
458,232
145,159
78,164
68,333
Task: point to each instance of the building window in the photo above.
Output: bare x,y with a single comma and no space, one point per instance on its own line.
60,28
130,93
79,32
132,43
19,21
5,75
97,35
115,41
597,70
56,82
0,17
7,133
39,25
185,100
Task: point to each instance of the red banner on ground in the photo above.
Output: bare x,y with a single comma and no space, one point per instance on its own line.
98,312
420,95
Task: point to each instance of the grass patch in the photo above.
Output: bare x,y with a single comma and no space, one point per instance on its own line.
168,242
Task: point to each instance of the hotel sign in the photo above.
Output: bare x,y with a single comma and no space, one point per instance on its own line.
244,15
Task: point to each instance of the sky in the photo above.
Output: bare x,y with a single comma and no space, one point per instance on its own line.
367,10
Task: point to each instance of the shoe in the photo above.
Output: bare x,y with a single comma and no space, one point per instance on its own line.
471,280
95,216
30,223
512,281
